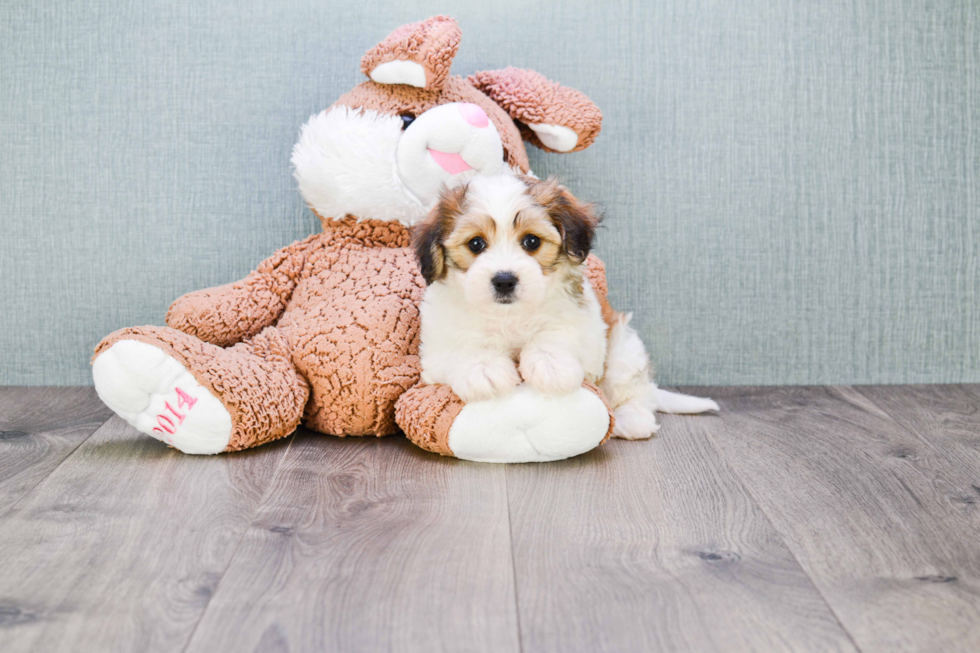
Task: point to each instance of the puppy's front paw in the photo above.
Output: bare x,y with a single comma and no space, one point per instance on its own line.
551,372
486,380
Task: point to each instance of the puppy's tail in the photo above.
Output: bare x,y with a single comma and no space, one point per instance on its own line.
675,402
627,377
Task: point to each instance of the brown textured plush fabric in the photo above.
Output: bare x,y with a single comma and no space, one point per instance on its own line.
236,311
425,413
255,380
530,97
353,323
595,272
432,43
401,99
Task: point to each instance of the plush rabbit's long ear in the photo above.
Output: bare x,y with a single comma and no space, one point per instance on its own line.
551,116
417,54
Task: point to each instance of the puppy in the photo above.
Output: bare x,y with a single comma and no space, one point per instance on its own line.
507,300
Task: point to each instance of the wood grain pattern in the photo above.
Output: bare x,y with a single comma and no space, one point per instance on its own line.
120,548
655,546
799,519
865,505
946,419
39,428
370,545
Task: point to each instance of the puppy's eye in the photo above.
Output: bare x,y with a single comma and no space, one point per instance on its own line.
531,242
477,245
407,120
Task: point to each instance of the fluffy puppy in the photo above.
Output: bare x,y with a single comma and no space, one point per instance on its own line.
503,256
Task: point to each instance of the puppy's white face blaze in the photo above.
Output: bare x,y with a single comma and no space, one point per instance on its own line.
503,247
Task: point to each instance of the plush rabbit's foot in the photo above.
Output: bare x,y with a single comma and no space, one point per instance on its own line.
522,427
529,426
159,397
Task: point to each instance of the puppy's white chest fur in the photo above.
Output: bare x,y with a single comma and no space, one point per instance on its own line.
456,337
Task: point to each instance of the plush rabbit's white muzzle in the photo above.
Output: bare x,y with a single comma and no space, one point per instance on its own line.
445,146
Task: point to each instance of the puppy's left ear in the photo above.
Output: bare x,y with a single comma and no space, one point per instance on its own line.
576,221
428,235
550,116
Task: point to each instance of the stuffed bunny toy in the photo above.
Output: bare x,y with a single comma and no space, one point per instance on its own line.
325,332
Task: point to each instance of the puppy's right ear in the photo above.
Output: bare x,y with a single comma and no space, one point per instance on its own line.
427,241
428,236
576,221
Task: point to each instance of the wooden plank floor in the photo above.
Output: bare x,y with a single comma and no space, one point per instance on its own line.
798,519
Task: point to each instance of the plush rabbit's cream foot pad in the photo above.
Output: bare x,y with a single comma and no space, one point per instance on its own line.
527,426
159,397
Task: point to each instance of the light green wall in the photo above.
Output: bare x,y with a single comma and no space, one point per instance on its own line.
792,189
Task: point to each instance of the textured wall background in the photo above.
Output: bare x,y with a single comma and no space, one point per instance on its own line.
792,188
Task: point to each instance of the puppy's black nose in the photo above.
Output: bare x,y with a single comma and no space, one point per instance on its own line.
504,283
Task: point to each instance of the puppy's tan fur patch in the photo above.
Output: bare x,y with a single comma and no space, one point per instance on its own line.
535,221
467,227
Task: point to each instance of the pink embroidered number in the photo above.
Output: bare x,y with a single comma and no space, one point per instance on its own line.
166,422
168,427
184,399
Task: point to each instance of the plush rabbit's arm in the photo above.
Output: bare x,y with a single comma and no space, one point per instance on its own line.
228,314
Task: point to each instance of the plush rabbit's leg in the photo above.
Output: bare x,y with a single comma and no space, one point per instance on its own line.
521,427
198,397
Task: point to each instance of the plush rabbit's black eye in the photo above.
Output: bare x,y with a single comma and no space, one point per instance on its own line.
477,245
531,242
407,120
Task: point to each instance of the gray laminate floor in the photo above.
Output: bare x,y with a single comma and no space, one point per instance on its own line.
798,519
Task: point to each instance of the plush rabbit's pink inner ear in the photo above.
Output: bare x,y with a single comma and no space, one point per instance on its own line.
418,54
551,116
